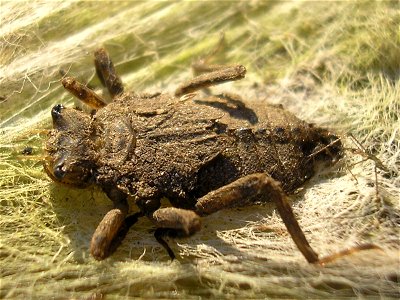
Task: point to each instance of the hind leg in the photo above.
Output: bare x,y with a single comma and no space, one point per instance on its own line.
255,187
202,81
262,187
210,74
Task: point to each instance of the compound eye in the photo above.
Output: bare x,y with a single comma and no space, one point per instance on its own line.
58,121
56,111
59,172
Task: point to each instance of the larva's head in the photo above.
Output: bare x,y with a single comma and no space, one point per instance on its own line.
71,158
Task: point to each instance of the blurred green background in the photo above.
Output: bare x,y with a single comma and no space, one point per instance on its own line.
336,63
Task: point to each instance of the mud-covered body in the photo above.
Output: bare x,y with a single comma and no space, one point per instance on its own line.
154,147
202,153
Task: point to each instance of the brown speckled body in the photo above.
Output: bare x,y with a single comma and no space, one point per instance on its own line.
185,149
202,153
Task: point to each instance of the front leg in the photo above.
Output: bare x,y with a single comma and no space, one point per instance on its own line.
114,226
83,93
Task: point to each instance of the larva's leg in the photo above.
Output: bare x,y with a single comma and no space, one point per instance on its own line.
114,226
106,72
83,93
205,80
174,222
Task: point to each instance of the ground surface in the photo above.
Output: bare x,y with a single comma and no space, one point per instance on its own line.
332,63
